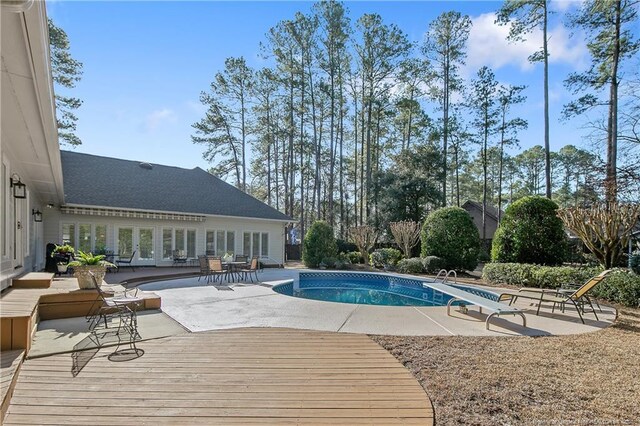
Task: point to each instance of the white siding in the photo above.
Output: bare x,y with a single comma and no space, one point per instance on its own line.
54,219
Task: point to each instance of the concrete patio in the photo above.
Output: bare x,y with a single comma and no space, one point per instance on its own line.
202,307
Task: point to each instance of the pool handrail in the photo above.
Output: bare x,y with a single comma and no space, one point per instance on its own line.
455,277
442,272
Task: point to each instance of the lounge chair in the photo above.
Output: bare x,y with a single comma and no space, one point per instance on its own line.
482,302
578,297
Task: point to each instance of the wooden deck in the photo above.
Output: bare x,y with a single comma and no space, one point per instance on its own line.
242,376
22,307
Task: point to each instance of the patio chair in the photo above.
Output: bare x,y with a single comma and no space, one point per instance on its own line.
179,257
578,298
123,310
215,269
128,261
111,307
251,269
242,258
204,267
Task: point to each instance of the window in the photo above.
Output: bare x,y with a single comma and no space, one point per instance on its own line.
179,240
100,238
231,242
220,242
210,242
221,245
191,243
246,244
125,242
167,243
255,244
69,234
264,251
84,237
145,243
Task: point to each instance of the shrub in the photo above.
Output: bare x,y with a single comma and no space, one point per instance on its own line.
354,257
432,264
345,246
410,266
384,257
621,286
319,244
527,275
530,232
450,234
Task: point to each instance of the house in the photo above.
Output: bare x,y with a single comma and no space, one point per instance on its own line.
98,202
475,210
153,210
31,168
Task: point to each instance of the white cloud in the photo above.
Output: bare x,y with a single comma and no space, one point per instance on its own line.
564,5
488,45
153,120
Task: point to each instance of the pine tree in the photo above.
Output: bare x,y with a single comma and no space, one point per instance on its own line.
66,72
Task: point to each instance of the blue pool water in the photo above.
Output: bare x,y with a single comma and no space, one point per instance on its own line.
369,289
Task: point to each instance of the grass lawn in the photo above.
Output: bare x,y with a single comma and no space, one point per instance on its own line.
586,379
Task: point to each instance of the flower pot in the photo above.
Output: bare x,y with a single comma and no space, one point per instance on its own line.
62,268
84,278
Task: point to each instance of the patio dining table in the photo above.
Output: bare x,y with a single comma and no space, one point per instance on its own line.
232,269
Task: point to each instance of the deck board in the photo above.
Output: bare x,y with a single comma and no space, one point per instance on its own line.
245,376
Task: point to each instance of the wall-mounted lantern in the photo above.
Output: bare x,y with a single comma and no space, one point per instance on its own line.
37,215
19,188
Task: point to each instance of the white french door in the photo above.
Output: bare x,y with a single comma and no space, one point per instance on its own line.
138,239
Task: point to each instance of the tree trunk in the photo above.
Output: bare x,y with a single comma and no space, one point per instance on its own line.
611,184
547,149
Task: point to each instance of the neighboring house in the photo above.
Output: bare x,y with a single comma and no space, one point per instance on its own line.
475,210
126,206
104,202
29,152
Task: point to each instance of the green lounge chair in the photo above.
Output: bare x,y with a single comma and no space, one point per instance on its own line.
579,297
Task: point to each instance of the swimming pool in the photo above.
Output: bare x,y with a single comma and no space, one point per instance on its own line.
369,289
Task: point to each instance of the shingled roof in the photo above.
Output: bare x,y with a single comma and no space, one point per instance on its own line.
91,180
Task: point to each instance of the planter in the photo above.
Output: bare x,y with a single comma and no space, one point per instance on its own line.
84,278
62,268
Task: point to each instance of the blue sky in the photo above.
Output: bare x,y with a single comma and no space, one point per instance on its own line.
145,64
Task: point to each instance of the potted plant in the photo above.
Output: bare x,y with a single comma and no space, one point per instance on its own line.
62,255
87,262
228,257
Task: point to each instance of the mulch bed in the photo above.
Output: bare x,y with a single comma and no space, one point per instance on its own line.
585,379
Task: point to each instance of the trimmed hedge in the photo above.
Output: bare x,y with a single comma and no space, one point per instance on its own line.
621,286
531,232
384,257
432,264
319,244
410,266
450,234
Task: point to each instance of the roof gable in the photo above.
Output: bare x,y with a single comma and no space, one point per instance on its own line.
492,212
92,180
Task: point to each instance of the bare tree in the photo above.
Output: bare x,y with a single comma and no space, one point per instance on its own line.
365,238
406,234
604,228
